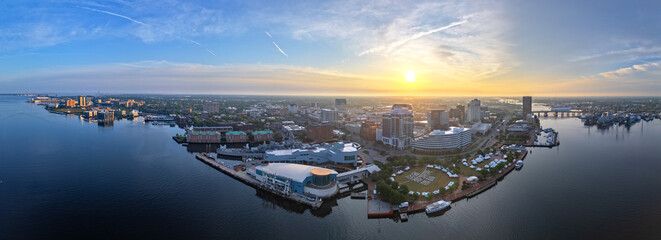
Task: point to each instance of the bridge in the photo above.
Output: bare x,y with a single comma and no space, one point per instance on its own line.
558,112
354,175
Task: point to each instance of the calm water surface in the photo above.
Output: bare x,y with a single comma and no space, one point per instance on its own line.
66,178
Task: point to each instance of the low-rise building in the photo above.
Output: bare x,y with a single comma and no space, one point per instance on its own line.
261,136
319,132
287,178
105,116
203,137
236,137
519,127
338,153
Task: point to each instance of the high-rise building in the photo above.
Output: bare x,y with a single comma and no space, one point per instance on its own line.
438,120
527,105
398,126
82,100
368,130
473,113
293,108
341,104
328,115
211,107
458,112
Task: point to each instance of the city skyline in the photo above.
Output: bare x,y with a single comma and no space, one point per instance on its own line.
430,48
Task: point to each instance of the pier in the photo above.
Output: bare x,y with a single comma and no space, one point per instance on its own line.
245,178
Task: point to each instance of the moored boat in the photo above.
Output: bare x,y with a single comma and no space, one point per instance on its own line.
519,165
437,206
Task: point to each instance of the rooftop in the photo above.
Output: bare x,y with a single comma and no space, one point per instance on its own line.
453,130
295,172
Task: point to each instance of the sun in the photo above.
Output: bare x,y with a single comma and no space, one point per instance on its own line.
410,76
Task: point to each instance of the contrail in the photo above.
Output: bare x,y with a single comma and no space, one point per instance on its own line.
415,36
118,15
147,25
268,34
212,53
279,49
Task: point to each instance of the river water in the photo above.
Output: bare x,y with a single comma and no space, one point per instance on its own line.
66,178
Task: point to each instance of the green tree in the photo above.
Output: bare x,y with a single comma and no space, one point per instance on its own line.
394,185
404,189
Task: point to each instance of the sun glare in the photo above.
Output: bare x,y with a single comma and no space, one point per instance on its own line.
410,76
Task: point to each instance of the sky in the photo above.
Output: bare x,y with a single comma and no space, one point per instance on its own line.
343,48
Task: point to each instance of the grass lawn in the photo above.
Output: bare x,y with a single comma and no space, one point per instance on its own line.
466,171
441,180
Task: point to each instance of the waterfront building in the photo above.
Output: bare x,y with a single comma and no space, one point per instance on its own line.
527,105
211,107
438,120
90,114
261,136
398,126
203,137
368,130
519,127
473,113
320,132
287,179
105,116
338,153
222,129
328,115
442,141
236,137
71,103
82,100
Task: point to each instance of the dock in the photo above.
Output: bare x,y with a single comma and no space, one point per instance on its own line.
245,178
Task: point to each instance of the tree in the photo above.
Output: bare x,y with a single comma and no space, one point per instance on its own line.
396,197
383,189
394,185
404,189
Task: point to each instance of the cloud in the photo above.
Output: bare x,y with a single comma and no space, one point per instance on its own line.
622,72
168,77
149,26
401,42
632,53
279,49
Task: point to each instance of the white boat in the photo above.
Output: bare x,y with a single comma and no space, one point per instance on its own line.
437,206
519,164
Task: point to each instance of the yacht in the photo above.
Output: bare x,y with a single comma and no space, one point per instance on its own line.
437,206
519,165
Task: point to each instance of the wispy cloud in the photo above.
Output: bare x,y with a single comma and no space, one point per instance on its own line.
149,26
280,49
168,77
401,42
627,71
635,53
